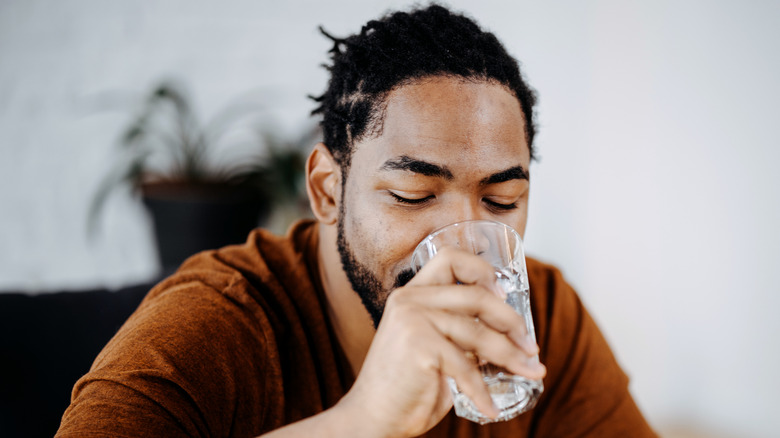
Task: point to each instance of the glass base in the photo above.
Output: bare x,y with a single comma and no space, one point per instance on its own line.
512,395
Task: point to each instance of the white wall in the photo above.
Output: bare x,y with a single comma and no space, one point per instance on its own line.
656,192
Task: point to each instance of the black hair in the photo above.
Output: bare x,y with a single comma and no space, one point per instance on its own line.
399,49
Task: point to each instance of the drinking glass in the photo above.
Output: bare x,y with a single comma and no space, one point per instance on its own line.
502,247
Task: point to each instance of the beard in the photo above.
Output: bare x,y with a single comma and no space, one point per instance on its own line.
364,281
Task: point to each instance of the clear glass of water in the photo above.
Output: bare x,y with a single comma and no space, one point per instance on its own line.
502,247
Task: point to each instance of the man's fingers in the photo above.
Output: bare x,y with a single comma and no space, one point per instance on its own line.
455,363
457,299
452,266
473,302
488,344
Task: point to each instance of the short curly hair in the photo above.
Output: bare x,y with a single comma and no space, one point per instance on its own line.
399,49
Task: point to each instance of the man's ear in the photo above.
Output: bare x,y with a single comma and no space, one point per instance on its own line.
323,181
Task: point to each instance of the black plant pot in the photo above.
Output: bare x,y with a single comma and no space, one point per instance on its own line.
190,219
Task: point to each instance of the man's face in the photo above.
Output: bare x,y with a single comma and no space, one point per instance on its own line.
450,150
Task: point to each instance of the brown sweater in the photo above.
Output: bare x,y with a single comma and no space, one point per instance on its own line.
237,343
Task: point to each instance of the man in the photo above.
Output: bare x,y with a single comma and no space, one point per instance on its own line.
426,121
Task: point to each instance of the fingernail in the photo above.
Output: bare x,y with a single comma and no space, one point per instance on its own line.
535,365
498,289
529,344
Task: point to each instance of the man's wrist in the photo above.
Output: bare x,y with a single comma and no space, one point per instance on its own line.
342,420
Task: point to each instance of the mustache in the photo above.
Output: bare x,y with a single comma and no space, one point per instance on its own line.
403,277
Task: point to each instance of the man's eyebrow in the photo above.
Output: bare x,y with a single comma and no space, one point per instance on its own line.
517,172
406,162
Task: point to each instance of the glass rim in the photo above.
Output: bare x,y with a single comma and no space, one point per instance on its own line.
437,231
416,263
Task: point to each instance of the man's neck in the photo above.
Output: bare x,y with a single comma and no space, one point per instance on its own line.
351,321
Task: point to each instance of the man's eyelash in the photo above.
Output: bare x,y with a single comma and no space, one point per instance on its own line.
493,204
411,201
415,201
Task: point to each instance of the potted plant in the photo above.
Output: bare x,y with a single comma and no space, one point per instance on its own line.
196,200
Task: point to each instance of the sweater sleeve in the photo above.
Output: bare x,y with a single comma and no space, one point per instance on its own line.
586,393
179,367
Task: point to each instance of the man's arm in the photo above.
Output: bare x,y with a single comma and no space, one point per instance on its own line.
178,367
338,421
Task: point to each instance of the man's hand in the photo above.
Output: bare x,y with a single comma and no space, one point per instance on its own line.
451,307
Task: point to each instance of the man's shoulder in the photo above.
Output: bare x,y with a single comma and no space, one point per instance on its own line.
235,289
264,280
551,295
261,250
543,273
532,263
264,258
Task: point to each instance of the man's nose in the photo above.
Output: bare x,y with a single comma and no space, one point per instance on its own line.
465,210
465,237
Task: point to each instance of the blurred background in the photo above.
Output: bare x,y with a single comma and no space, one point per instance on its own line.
656,192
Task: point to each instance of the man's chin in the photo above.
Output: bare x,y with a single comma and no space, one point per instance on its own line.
376,303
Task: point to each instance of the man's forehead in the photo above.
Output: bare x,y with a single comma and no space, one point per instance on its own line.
427,94
445,121
453,112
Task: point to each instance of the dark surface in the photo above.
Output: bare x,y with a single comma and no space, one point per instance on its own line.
46,343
